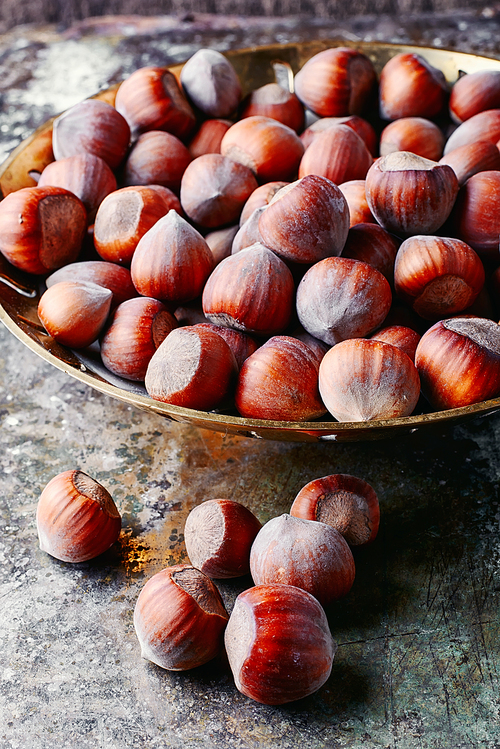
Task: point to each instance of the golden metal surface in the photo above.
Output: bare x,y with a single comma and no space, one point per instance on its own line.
19,293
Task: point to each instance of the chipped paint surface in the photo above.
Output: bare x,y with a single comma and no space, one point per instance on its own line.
419,655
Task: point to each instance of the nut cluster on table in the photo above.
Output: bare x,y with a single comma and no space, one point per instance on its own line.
329,251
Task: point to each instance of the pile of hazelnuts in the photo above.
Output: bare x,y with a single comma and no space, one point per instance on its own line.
277,637
328,251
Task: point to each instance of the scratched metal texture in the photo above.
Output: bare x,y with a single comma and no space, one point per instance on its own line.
419,635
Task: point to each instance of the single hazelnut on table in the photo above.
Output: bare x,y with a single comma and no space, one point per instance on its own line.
416,134
74,313
172,261
458,361
114,277
340,298
193,368
179,618
85,175
437,276
482,126
272,100
218,535
157,158
338,153
347,503
125,215
211,83
374,245
306,221
279,381
312,555
473,93
150,99
361,126
91,126
408,194
214,190
336,82
359,211
41,228
400,336
76,518
270,149
252,291
364,380
278,643
471,158
409,86
134,332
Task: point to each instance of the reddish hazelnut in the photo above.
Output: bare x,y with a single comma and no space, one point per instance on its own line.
415,134
437,276
193,368
408,194
338,154
260,198
476,215
361,126
336,82
270,149
347,503
458,361
179,618
85,175
355,195
126,215
373,245
272,100
278,644
279,381
480,156
150,99
474,93
318,348
248,233
363,380
252,291
400,336
157,158
91,126
482,126
218,535
208,137
323,225
133,334
310,555
214,190
172,261
41,228
74,313
410,87
111,276
211,83
76,518
340,298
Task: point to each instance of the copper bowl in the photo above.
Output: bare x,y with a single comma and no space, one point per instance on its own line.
19,293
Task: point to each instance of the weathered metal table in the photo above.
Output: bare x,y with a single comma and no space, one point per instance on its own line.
418,662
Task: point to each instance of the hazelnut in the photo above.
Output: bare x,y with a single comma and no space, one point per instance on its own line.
76,517
359,211
480,156
400,336
208,137
157,158
373,245
211,83
415,134
474,93
218,535
272,100
113,277
409,86
338,153
278,643
74,313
